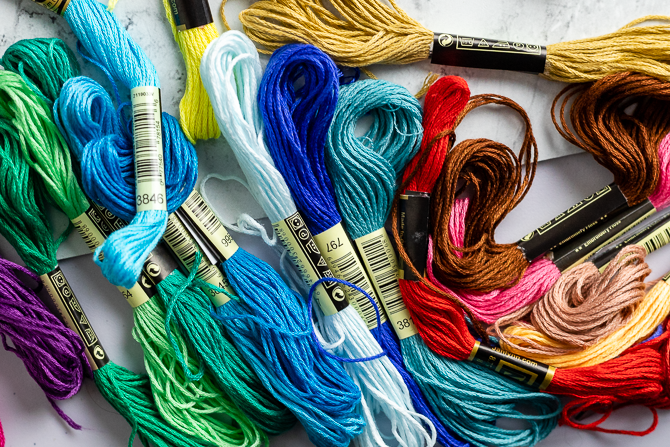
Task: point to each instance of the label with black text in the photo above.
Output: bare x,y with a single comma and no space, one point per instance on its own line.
57,6
523,370
160,264
148,142
210,225
341,257
414,217
382,265
73,315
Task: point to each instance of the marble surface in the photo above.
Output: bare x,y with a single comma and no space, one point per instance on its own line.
27,417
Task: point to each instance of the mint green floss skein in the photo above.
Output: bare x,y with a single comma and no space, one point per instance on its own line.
191,407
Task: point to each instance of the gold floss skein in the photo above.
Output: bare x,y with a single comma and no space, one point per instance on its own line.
366,32
193,28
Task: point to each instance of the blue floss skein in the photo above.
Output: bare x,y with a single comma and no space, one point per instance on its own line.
110,45
296,125
364,172
270,325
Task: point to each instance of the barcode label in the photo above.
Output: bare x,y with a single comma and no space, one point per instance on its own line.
148,142
343,261
203,216
185,248
657,239
382,265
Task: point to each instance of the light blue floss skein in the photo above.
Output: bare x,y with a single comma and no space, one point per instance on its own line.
110,45
364,171
296,125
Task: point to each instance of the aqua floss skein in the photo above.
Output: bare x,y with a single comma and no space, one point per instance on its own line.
364,170
296,124
87,117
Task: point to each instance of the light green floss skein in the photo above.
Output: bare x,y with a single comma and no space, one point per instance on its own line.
194,408
25,226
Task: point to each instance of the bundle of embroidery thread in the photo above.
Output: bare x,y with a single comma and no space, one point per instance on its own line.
587,317
481,266
193,29
361,33
90,130
28,230
192,407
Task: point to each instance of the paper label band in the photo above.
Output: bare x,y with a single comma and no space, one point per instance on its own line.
73,316
185,248
579,249
341,257
414,218
573,222
159,264
205,219
523,370
189,14
94,227
381,263
57,6
148,142
477,52
305,255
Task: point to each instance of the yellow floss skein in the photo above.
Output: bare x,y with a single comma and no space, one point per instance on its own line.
371,32
649,313
196,115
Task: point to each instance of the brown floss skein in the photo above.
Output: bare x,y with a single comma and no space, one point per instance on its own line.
627,145
583,307
497,180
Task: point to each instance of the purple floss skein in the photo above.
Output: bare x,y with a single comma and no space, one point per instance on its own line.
53,354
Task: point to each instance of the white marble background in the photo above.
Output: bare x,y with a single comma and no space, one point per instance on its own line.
29,420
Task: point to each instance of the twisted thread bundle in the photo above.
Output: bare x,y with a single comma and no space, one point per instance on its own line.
363,33
196,115
296,125
85,113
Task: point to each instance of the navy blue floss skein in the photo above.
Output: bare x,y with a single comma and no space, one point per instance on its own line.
296,125
270,325
364,171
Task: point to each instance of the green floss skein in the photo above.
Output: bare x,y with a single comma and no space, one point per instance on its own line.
25,226
44,64
194,408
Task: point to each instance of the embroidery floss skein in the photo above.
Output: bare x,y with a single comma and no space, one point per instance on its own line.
193,29
614,304
87,116
296,124
26,227
44,64
193,408
364,172
231,73
53,354
111,47
362,33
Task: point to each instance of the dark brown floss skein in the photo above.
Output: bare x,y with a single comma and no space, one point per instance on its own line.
497,180
626,144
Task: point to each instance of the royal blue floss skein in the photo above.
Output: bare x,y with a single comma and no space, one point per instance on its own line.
110,45
364,171
296,125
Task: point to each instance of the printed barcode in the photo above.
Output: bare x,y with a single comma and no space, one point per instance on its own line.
350,270
385,274
148,170
204,214
184,249
147,135
658,240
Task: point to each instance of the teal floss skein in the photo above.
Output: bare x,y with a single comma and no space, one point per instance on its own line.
364,170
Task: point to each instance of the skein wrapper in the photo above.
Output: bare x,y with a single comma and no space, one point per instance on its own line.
189,14
573,222
57,6
478,52
413,222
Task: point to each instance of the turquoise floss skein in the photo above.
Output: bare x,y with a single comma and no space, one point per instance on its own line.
86,115
28,230
296,125
364,172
